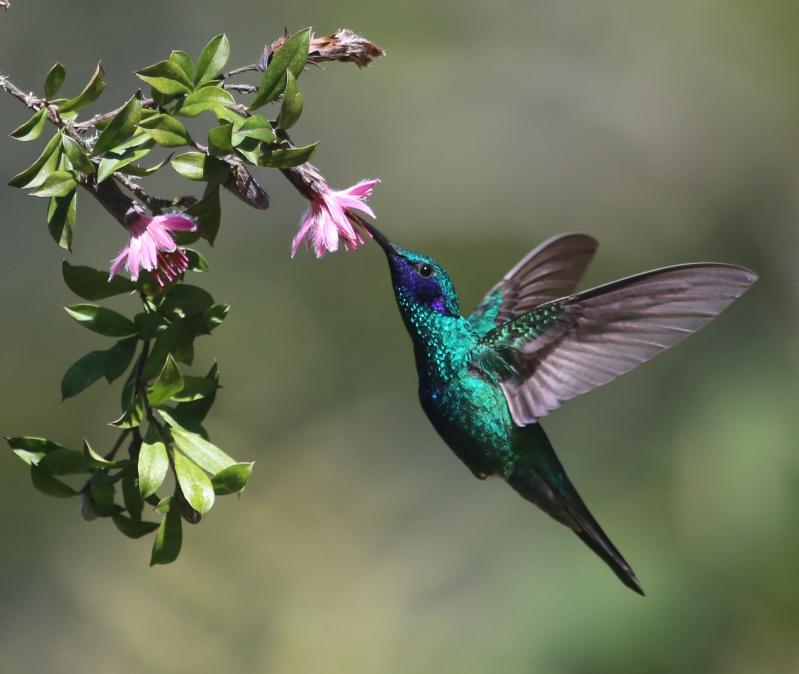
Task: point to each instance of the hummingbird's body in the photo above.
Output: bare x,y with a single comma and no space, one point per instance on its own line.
485,380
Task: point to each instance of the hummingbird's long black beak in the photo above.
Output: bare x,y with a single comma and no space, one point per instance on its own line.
378,236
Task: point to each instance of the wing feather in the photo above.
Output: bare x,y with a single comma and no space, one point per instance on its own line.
573,345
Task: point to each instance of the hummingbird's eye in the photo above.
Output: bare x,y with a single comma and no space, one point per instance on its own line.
425,270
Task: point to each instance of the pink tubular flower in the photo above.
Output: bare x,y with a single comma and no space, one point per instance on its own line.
329,218
152,248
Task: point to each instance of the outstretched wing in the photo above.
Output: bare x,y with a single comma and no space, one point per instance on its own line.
549,271
570,346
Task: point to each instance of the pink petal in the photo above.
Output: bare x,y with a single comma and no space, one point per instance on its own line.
175,222
363,189
118,262
355,204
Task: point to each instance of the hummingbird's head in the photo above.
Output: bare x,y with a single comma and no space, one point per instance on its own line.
420,284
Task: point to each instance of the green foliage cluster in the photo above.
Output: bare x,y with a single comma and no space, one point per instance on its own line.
162,406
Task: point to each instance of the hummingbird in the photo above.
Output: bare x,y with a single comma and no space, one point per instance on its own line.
533,343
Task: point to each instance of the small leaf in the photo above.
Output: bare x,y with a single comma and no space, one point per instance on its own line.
291,108
55,78
98,461
121,127
194,484
291,58
31,449
232,479
219,140
83,373
49,485
148,325
209,457
190,414
206,99
132,416
61,215
166,131
213,316
255,127
134,503
195,388
134,528
167,77
31,129
208,214
289,157
101,320
169,382
199,166
65,462
153,466
184,62
57,184
90,93
197,261
144,171
186,300
78,158
103,491
92,284
116,161
168,539
36,173
212,59
118,358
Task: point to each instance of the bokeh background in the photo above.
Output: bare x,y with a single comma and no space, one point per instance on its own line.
670,131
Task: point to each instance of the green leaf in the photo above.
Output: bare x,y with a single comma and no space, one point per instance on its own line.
169,382
61,215
168,540
57,184
49,485
55,78
166,77
195,388
101,320
291,58
212,59
164,505
83,373
209,457
232,479
186,300
166,131
103,491
90,93
97,461
207,99
31,449
77,157
36,173
213,316
190,414
134,528
65,462
153,466
184,62
291,108
199,166
148,325
220,140
118,358
115,161
132,416
255,127
208,214
194,483
289,157
134,503
197,261
92,284
121,127
31,129
144,171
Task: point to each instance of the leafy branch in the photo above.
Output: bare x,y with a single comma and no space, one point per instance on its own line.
163,406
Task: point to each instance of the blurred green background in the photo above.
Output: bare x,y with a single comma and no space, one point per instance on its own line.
669,131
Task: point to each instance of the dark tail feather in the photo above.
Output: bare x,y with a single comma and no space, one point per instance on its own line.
546,484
